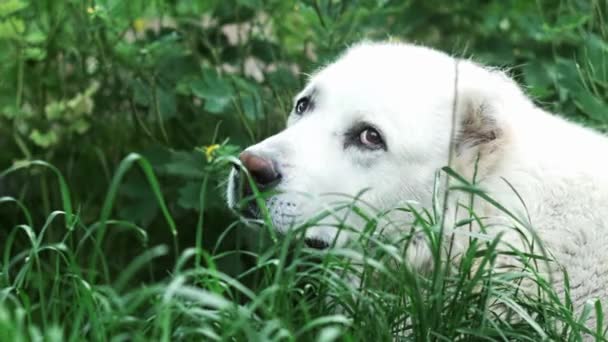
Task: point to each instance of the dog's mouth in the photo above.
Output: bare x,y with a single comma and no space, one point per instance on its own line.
316,243
251,211
246,204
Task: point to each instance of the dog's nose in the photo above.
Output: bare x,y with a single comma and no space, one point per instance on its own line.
261,169
316,243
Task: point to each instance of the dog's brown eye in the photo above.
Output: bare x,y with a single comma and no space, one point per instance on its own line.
370,138
302,105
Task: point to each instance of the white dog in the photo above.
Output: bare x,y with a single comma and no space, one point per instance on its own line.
381,118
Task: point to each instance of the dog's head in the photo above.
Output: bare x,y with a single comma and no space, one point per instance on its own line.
378,119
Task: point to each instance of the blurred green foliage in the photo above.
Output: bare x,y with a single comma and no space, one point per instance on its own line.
84,83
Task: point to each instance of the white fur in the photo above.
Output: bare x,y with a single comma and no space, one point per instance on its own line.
560,169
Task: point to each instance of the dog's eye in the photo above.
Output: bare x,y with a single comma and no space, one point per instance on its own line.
302,105
364,136
370,138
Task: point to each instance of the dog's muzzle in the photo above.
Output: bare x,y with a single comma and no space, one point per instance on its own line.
265,176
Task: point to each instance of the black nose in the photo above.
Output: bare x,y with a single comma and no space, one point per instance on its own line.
316,243
261,169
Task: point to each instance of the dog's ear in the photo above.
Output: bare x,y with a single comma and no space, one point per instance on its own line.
486,102
477,126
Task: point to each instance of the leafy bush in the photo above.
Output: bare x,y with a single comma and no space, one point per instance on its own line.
186,84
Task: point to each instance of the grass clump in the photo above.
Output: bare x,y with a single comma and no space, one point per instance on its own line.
58,281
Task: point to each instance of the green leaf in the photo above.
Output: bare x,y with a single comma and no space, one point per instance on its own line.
595,52
566,77
250,101
35,36
8,7
214,89
44,139
81,105
571,21
250,3
11,28
217,105
80,126
195,7
283,79
252,106
35,54
127,54
538,79
142,94
54,110
166,103
141,207
593,106
189,195
184,164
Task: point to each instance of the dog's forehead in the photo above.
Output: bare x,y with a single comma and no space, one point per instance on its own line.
383,72
402,90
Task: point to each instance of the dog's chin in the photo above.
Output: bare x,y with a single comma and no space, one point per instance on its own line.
250,211
283,215
282,210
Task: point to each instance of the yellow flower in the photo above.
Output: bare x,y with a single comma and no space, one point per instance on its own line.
139,25
209,150
93,9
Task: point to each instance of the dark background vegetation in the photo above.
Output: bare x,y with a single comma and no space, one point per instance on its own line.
85,83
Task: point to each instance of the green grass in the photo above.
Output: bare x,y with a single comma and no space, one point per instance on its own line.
58,281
